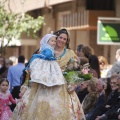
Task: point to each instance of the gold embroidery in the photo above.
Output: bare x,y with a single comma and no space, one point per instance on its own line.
53,103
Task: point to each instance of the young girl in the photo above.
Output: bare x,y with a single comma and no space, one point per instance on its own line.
43,67
5,99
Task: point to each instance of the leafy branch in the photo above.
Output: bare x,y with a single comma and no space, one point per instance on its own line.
13,25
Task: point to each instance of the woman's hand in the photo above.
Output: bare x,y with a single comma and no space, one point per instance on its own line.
71,88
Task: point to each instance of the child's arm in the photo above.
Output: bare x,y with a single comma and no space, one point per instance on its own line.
12,99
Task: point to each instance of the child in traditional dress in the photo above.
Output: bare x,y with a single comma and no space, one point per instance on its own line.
5,100
43,67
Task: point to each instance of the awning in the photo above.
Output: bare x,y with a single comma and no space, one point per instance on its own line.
18,6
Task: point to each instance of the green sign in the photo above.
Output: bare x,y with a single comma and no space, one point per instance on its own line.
108,33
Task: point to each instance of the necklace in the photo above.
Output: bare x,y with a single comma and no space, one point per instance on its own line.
62,53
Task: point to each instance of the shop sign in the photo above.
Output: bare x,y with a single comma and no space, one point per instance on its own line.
108,32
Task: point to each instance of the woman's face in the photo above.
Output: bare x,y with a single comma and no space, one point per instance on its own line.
61,40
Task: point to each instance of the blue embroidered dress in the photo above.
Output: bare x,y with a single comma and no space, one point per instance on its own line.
44,68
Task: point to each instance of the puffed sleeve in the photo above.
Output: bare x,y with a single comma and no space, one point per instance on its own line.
47,53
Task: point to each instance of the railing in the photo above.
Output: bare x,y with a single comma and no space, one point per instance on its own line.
84,19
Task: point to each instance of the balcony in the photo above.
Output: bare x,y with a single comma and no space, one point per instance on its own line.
84,20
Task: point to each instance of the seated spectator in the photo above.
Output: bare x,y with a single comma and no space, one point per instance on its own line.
112,100
82,91
115,111
112,114
86,69
104,66
91,97
100,85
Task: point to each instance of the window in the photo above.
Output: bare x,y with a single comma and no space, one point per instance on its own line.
100,4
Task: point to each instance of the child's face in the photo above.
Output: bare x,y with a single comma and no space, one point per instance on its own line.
4,86
85,70
52,41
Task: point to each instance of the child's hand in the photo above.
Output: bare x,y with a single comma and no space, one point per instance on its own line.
56,53
21,94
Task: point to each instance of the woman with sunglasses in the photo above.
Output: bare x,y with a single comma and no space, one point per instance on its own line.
104,66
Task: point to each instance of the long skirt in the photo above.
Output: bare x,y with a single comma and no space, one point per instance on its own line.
48,103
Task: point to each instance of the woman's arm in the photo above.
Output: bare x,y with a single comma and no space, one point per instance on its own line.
24,87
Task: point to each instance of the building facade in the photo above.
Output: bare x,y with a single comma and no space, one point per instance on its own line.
79,17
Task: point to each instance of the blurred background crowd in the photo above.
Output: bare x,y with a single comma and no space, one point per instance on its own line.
100,97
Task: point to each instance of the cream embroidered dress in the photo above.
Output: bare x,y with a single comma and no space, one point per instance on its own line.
53,102
46,72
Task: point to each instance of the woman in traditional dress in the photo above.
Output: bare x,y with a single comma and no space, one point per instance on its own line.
55,102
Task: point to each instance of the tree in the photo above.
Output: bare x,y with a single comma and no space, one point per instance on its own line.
13,25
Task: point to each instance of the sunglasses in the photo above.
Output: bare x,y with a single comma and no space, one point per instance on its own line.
113,83
82,83
100,63
118,85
